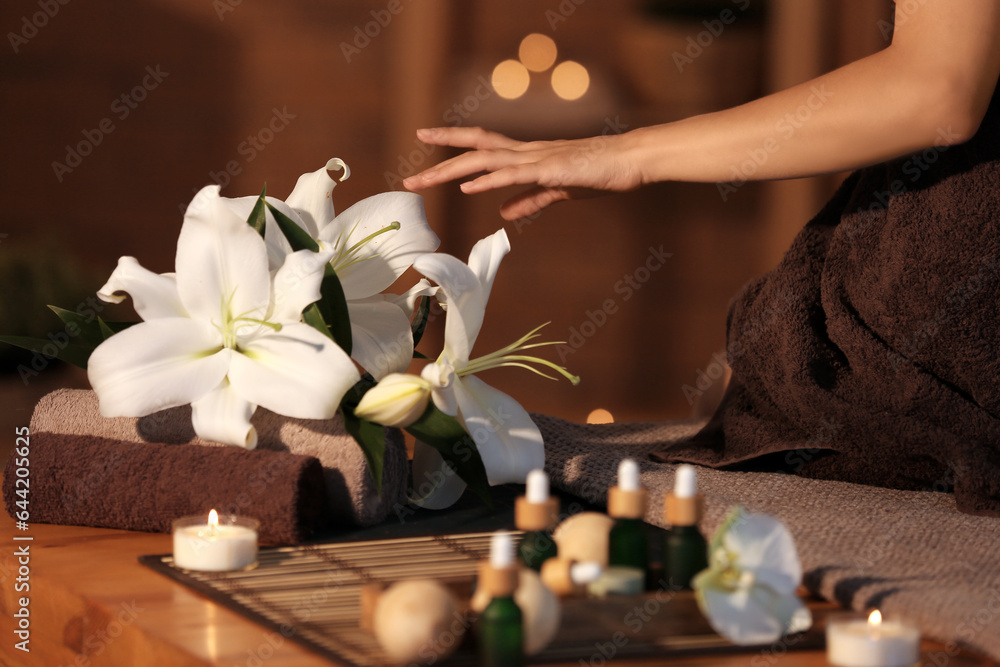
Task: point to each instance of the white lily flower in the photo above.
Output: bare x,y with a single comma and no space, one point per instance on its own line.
748,592
373,242
507,439
222,333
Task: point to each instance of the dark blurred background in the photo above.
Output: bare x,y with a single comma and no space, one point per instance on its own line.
114,113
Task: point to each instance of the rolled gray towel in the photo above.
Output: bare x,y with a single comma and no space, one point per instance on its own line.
351,492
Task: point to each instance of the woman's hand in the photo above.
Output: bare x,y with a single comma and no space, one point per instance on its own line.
930,87
558,170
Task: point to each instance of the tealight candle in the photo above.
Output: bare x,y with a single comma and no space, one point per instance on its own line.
855,642
215,545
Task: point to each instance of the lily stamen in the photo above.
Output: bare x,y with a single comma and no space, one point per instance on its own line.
348,256
506,357
230,324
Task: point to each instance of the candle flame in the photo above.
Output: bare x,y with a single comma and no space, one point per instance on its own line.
213,518
875,619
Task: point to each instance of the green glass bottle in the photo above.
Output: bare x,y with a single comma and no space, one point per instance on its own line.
685,550
501,634
536,513
500,628
685,554
628,544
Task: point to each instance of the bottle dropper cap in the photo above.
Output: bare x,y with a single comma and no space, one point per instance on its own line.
536,510
499,575
564,576
683,506
628,499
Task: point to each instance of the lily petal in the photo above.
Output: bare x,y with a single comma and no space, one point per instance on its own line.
154,295
407,301
442,378
435,485
297,284
381,339
223,416
156,365
466,303
383,259
766,548
508,441
220,256
484,260
746,617
312,196
297,372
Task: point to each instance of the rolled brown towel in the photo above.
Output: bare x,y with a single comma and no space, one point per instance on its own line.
90,481
352,497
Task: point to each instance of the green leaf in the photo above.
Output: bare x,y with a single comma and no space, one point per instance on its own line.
258,215
297,237
86,330
313,318
457,448
371,437
71,353
333,307
419,322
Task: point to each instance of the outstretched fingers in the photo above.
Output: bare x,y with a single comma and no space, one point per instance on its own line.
531,202
465,137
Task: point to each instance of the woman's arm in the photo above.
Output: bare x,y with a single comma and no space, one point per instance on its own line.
931,86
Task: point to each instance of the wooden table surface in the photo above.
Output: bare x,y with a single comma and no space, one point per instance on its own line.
92,603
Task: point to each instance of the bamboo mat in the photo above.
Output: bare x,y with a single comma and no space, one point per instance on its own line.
310,594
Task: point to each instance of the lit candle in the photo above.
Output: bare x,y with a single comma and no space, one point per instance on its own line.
854,642
215,546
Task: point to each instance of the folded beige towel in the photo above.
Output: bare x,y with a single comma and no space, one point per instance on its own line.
350,489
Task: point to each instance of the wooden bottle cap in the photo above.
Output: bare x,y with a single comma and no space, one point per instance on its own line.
683,511
536,516
498,582
557,577
626,504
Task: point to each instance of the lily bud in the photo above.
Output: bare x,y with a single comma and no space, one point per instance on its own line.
399,399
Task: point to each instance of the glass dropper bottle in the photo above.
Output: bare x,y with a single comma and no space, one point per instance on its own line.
501,627
685,551
628,545
536,513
